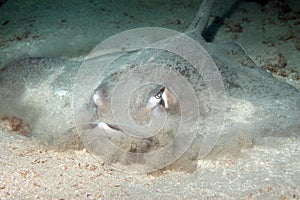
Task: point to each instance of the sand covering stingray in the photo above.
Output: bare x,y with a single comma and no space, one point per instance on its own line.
38,90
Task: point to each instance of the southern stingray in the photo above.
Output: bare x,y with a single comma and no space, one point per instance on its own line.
257,105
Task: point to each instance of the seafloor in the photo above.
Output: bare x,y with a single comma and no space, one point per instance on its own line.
269,33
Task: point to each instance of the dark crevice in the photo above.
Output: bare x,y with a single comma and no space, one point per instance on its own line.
211,31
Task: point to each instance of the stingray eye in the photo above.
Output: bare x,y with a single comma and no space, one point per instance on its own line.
158,95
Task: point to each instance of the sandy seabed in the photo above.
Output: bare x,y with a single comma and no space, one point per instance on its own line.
29,171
